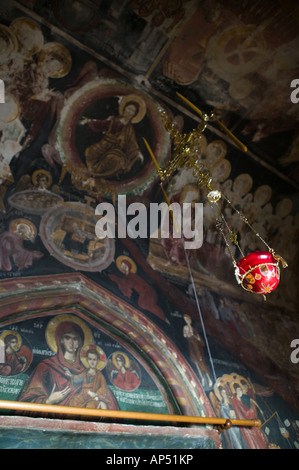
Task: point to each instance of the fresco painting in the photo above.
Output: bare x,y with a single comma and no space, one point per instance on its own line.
13,250
135,438
113,323
100,135
69,363
225,55
68,233
64,360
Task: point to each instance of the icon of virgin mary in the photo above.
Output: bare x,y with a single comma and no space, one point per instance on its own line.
51,382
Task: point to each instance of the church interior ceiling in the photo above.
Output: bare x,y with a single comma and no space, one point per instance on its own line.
70,69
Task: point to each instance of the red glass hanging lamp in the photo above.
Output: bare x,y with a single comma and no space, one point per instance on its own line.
257,272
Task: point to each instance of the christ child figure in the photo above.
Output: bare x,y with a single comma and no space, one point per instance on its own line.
93,392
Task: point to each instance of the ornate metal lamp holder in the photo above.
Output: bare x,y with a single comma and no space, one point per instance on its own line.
257,272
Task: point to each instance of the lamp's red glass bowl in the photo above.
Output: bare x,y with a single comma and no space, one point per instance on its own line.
258,272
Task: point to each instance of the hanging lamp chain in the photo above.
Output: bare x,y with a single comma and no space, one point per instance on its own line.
187,153
245,220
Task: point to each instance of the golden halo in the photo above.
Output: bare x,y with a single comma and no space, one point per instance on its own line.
127,360
36,175
8,36
31,227
14,333
186,316
218,384
234,376
53,324
32,30
236,382
135,99
102,356
242,379
126,259
61,54
222,381
238,379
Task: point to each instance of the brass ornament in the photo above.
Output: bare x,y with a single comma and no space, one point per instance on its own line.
9,43
187,153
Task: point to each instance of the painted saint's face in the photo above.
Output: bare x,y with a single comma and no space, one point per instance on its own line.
24,231
130,111
92,360
13,344
70,342
43,182
119,361
125,268
50,65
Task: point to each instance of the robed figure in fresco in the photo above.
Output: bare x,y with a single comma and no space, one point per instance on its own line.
147,296
125,376
12,250
254,437
50,382
63,380
17,356
93,392
117,151
196,349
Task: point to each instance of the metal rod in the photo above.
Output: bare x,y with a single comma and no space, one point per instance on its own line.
68,410
231,135
195,108
220,124
152,155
